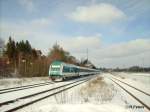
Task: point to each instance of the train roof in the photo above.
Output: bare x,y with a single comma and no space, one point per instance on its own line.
57,62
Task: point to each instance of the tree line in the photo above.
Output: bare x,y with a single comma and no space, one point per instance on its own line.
133,69
130,69
20,59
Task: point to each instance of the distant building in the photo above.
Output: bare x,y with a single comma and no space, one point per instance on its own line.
39,53
87,63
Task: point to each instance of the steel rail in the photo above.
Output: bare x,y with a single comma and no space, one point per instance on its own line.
132,87
25,87
131,94
31,95
76,83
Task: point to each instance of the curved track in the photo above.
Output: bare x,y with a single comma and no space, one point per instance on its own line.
130,93
132,87
39,96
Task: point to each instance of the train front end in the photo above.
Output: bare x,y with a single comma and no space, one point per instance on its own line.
55,71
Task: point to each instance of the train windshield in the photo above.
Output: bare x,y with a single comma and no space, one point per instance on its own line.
55,68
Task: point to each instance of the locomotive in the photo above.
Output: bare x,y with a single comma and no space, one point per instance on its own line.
59,70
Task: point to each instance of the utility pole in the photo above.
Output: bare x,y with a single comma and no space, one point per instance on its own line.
87,54
143,64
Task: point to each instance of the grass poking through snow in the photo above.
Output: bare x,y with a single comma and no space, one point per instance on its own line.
96,91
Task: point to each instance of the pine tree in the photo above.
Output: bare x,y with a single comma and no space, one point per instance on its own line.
11,50
1,47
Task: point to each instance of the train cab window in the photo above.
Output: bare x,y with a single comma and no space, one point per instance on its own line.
55,69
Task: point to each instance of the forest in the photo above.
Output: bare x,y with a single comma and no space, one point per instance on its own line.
20,59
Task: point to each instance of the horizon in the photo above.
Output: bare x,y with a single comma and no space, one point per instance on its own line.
116,34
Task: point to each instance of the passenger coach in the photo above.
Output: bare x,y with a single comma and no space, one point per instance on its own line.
59,70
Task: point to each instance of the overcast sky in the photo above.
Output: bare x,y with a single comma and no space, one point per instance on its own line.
116,32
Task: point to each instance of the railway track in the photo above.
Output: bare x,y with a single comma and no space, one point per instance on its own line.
24,101
137,98
113,73
132,87
7,90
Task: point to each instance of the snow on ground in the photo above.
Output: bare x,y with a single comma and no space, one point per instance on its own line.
21,93
135,82
14,82
88,107
138,77
138,80
100,95
17,94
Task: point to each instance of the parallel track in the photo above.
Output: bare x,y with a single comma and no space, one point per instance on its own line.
2,91
11,101
68,86
132,87
139,100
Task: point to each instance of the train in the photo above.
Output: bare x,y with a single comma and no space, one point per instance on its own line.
59,70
